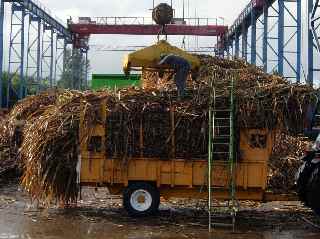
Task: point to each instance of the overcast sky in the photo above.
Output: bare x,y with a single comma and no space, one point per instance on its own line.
111,62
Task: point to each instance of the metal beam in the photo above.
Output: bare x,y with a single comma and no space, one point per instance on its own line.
39,11
86,70
282,49
134,29
280,36
75,76
65,45
16,52
244,33
59,58
19,47
22,77
38,74
265,37
33,50
245,15
299,37
253,57
1,49
310,43
51,59
47,54
237,45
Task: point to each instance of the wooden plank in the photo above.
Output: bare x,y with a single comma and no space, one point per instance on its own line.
141,138
173,146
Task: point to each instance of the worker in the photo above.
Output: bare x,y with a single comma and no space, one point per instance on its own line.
181,68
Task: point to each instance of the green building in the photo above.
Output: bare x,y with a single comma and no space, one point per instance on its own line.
114,81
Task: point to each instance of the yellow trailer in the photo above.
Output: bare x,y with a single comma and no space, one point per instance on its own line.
143,180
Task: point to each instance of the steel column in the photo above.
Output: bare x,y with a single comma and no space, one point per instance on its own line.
86,71
244,42
280,36
38,74
1,49
56,60
47,54
310,43
253,57
33,59
299,37
42,57
237,45
64,56
22,78
60,58
228,51
16,51
80,73
51,59
20,48
74,68
29,45
265,37
9,65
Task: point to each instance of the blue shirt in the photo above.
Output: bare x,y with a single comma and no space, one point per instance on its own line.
176,62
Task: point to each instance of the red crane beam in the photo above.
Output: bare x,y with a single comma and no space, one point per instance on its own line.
206,30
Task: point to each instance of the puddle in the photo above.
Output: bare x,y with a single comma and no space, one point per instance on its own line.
101,216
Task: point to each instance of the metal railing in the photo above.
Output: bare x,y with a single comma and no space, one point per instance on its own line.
124,48
149,21
48,11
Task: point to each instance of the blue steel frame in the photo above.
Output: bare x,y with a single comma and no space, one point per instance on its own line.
21,50
1,49
75,68
47,54
284,39
313,39
16,52
84,69
33,53
59,58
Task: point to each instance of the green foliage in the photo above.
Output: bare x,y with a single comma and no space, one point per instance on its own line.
30,88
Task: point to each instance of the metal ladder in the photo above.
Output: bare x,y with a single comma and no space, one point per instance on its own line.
221,147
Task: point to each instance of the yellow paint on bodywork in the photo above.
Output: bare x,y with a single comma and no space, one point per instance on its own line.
180,177
150,56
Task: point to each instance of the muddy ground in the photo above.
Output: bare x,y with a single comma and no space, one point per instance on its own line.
99,215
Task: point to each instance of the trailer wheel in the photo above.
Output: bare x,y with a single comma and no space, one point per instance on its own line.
302,179
313,190
141,199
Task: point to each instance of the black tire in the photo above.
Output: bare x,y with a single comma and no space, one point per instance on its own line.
303,178
313,190
149,207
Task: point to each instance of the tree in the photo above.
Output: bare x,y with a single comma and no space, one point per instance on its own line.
31,87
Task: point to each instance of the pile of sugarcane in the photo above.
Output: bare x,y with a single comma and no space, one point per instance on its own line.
48,142
12,125
24,110
285,161
50,148
156,118
263,100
